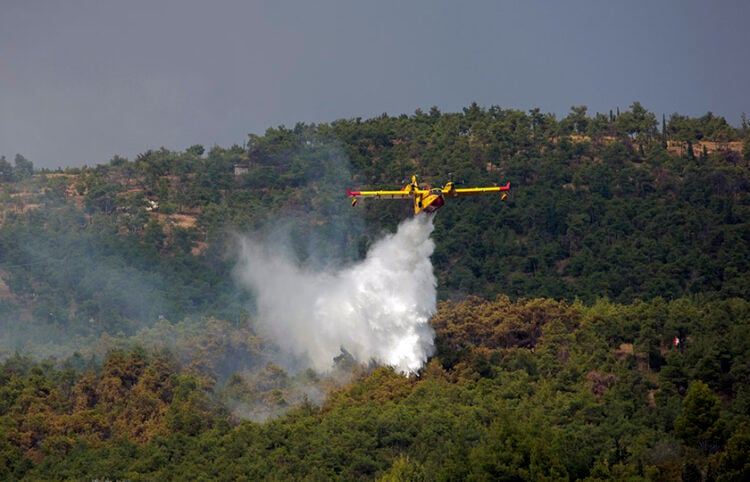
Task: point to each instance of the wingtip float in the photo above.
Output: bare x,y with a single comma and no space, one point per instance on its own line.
429,200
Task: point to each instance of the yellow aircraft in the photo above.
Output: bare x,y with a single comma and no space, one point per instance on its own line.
428,200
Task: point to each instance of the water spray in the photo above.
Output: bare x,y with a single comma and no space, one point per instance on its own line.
378,310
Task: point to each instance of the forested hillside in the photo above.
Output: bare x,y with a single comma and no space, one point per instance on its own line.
594,325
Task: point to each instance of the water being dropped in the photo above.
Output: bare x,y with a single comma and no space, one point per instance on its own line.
377,310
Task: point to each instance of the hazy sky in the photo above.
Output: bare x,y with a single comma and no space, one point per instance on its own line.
83,80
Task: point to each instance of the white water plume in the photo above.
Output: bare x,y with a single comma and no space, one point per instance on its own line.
377,310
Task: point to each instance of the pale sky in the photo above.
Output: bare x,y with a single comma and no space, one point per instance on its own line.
84,80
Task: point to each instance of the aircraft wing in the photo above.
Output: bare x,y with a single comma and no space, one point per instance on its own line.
473,191
381,194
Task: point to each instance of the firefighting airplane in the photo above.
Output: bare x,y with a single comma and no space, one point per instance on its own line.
428,200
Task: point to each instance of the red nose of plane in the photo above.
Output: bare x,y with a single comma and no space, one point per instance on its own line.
434,205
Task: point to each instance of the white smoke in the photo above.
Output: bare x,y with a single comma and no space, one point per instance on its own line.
377,310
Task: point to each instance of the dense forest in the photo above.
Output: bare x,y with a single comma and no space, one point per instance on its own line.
593,326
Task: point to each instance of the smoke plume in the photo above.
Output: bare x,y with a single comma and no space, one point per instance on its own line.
376,310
